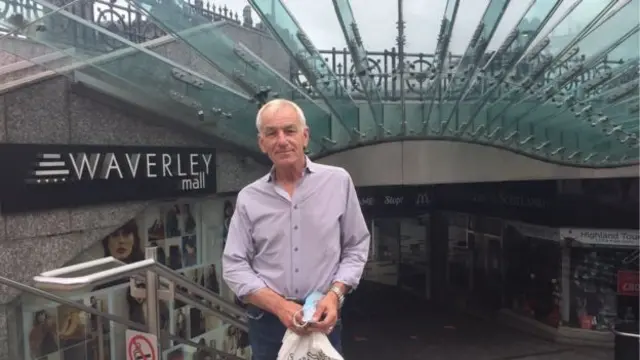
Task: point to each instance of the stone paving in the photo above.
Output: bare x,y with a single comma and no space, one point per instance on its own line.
578,354
402,332
441,336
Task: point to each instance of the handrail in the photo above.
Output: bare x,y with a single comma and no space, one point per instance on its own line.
612,328
117,319
51,280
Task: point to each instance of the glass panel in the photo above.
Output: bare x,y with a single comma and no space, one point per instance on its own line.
532,66
413,264
17,23
541,112
549,65
140,73
22,18
609,98
435,88
195,323
317,73
558,96
233,59
383,267
82,326
473,56
29,64
359,57
214,337
506,57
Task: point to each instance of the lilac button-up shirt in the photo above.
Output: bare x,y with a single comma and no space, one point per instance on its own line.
300,244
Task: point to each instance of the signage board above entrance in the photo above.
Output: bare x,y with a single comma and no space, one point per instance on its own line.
39,177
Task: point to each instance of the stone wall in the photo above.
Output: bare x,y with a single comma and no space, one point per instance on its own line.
49,112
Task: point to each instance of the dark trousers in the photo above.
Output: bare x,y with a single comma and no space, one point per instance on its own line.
266,333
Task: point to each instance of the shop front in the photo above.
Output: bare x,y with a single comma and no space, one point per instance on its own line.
603,277
533,272
398,220
505,248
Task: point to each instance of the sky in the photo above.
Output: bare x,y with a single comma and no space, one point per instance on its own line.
377,22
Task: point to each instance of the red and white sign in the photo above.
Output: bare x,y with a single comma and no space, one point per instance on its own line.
628,283
141,346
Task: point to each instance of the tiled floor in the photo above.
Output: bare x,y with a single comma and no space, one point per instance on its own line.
396,330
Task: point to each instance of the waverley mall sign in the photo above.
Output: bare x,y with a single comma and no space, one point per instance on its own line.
38,177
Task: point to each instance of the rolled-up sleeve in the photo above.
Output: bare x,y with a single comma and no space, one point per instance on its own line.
238,251
355,239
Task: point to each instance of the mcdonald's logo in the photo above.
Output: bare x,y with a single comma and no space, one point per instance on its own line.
422,199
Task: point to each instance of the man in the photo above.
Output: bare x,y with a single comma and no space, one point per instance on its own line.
297,230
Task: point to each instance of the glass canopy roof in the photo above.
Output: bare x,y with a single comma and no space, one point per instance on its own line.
528,78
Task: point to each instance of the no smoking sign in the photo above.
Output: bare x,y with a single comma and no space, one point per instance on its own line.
141,346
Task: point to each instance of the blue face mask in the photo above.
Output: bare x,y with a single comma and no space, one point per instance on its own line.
310,305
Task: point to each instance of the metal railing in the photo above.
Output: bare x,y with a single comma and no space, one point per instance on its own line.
124,321
612,328
161,283
61,280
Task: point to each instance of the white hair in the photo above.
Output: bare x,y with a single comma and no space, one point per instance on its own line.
279,103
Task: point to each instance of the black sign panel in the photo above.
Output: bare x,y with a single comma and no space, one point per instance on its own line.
394,201
39,177
530,201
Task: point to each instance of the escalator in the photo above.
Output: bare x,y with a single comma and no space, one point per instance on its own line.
76,312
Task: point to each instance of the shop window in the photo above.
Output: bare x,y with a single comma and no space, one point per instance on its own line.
599,293
190,239
532,276
383,266
457,219
413,255
174,230
460,241
491,226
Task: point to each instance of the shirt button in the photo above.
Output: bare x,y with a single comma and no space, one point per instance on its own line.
296,291
297,270
295,206
295,227
295,249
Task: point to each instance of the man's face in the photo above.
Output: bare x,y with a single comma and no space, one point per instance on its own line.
282,137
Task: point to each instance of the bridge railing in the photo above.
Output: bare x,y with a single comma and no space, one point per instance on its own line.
384,67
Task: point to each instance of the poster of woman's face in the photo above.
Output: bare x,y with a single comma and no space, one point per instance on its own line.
124,244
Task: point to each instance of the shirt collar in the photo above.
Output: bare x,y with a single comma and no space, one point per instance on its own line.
310,167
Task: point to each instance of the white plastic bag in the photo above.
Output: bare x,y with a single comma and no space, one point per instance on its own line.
314,346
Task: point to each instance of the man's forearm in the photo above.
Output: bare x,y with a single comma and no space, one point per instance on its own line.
266,299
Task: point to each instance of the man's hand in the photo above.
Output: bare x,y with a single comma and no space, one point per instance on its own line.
286,315
326,314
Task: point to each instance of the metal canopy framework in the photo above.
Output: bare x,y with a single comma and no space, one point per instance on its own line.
563,97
